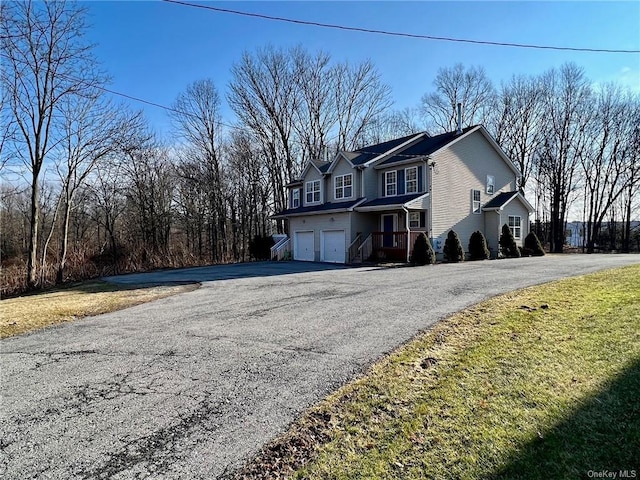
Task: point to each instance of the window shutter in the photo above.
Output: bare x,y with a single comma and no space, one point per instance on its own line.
400,176
422,219
420,179
384,187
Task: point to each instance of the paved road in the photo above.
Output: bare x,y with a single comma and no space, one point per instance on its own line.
190,385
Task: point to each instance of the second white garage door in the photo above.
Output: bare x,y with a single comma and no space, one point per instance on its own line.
333,246
303,248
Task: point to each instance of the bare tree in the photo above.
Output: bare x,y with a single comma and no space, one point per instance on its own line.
107,192
315,114
91,129
390,125
196,118
360,97
567,113
263,94
457,84
516,122
45,60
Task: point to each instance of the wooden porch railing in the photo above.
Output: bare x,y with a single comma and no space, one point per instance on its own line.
393,245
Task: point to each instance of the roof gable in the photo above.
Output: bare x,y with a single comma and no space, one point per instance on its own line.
338,158
503,198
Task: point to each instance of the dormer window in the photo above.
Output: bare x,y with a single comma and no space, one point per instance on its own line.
390,183
295,198
491,182
344,186
411,180
312,191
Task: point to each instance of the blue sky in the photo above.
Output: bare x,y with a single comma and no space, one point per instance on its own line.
153,50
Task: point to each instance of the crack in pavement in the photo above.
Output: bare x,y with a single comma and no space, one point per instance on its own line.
160,449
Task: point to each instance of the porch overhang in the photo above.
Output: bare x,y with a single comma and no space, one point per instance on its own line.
321,209
503,199
410,202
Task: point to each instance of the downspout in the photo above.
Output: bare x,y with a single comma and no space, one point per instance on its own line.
429,180
406,211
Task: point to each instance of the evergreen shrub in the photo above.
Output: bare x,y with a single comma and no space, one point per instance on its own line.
453,251
478,249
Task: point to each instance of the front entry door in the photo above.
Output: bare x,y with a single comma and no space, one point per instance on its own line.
387,229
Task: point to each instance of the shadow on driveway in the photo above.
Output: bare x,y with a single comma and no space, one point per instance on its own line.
221,272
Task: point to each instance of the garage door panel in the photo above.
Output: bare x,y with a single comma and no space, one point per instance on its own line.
333,246
304,246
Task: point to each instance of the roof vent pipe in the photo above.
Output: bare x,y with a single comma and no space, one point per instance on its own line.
459,129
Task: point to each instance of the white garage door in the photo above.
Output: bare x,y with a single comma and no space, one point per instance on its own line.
333,246
303,248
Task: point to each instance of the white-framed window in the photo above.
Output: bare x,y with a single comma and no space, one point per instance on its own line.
491,184
411,180
344,186
390,183
515,226
312,191
295,198
414,220
475,201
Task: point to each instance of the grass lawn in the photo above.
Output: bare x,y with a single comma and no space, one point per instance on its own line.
543,383
32,312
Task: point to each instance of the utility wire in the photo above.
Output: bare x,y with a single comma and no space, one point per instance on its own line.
397,34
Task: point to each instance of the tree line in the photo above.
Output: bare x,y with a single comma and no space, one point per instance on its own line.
100,192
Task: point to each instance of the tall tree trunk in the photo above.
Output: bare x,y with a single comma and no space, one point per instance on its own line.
64,243
32,259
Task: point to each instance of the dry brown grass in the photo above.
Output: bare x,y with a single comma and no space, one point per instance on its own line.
32,312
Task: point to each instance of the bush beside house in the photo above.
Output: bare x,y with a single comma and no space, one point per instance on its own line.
478,249
453,251
423,253
532,245
508,247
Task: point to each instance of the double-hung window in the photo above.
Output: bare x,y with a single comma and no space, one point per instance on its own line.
414,220
411,180
475,201
312,191
491,184
515,226
390,183
295,198
344,186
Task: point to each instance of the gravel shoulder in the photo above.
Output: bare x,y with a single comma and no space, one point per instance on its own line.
189,386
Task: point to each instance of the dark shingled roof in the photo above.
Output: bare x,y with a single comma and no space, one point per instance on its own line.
500,199
397,200
424,147
322,166
372,151
318,208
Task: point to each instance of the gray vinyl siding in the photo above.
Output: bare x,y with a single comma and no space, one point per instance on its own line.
317,223
516,208
313,174
371,183
459,169
492,228
365,223
343,168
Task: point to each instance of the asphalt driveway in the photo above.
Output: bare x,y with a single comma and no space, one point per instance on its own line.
190,385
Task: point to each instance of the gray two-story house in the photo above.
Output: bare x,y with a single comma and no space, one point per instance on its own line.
376,200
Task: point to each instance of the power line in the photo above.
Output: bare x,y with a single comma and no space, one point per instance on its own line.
397,34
